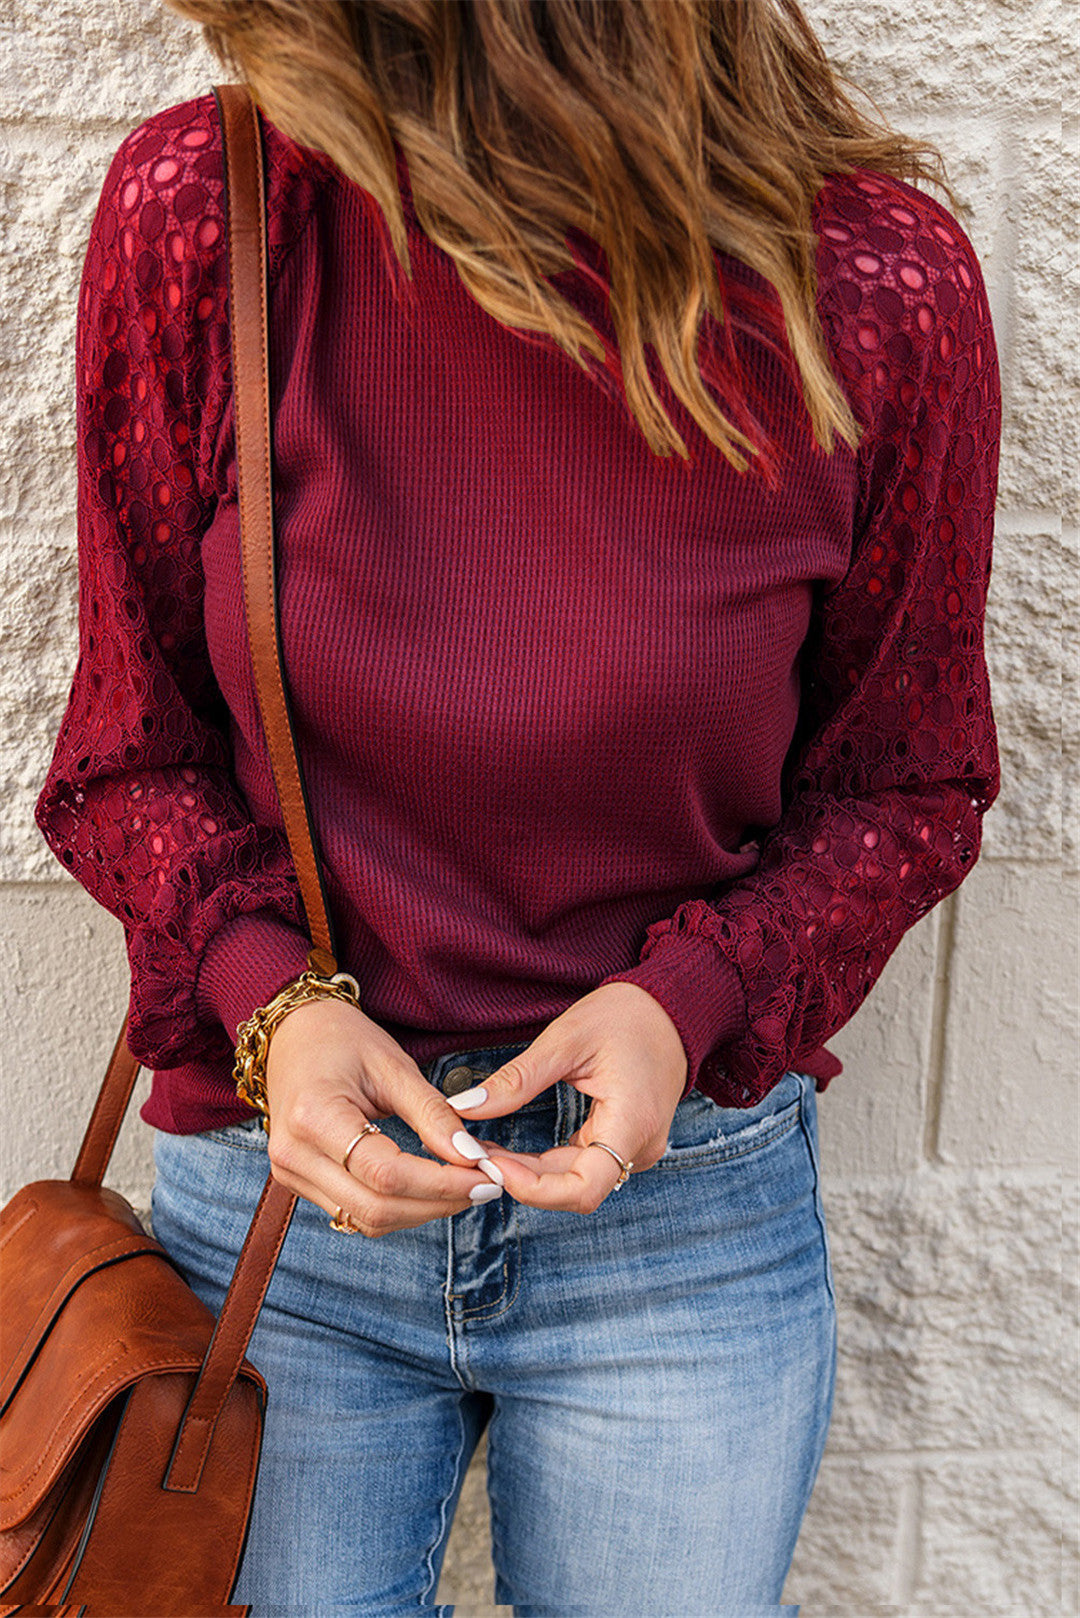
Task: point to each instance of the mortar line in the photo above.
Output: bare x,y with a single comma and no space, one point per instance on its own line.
908,1548
1029,521
890,1460
939,1017
1004,244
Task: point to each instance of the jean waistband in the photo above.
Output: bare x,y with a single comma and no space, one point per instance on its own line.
480,1059
455,1071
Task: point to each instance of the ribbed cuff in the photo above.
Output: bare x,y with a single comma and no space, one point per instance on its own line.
245,964
698,988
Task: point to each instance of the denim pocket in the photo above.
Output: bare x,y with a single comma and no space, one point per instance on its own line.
248,1135
703,1132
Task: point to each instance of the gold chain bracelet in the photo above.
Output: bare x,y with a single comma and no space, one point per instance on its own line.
253,1036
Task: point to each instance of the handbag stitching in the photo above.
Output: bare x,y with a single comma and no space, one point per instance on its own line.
120,1248
28,1213
148,1367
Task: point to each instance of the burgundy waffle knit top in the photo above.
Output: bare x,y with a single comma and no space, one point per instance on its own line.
570,712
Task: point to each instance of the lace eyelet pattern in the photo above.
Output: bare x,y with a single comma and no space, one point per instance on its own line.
139,803
894,761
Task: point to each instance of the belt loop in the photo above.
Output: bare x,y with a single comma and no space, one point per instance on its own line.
582,1107
571,1105
561,1109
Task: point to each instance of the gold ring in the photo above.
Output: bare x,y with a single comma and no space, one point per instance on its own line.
624,1167
368,1129
343,1221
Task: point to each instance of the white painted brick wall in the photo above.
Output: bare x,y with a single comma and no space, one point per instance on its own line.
949,1144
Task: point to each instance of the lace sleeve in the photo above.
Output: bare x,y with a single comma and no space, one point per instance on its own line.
139,802
894,760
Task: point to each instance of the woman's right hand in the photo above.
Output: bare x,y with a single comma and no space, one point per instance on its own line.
330,1071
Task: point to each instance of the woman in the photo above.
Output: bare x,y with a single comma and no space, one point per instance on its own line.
630,768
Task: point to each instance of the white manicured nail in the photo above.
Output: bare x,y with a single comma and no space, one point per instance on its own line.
467,1146
468,1098
484,1193
488,1166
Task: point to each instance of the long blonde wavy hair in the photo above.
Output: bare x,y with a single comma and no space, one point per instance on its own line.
663,130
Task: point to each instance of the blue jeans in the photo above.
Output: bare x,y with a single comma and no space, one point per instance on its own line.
656,1378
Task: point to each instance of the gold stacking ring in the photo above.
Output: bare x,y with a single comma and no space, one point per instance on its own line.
368,1129
625,1167
341,1220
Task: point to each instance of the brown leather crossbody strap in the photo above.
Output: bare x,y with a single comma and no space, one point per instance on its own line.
248,304
248,307
108,1114
235,1324
246,223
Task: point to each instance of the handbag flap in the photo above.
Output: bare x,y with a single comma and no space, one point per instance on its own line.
53,1234
92,1304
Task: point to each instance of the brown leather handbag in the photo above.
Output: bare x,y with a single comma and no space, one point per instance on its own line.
130,1420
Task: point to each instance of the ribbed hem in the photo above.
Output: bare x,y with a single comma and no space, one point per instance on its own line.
245,964
698,988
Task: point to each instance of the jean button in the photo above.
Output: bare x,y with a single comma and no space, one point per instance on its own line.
457,1080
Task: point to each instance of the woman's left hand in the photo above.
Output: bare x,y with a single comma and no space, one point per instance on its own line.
617,1045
